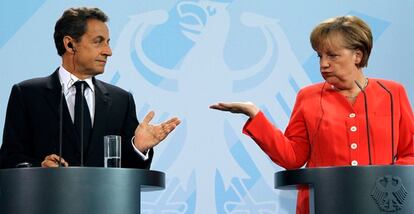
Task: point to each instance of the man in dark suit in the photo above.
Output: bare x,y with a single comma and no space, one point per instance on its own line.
31,132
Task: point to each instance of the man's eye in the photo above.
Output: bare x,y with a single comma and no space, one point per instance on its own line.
98,41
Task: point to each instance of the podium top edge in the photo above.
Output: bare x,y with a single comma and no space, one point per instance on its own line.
76,168
348,167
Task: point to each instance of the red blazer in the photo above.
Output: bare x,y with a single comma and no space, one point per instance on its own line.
326,130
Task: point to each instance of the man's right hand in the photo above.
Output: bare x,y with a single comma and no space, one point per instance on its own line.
53,161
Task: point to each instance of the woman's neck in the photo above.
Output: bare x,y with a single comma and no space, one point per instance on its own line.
352,88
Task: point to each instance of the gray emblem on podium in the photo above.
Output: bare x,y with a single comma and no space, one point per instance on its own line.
389,193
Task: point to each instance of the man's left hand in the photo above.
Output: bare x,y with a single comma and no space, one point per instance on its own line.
148,135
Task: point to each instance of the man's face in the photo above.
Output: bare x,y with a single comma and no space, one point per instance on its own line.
92,50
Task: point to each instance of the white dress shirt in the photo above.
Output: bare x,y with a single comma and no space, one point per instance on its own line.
67,80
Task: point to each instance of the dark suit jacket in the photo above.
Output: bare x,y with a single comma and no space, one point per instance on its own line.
31,130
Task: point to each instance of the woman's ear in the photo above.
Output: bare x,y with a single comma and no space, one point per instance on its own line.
358,57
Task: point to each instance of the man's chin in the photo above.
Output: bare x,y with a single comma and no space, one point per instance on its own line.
97,72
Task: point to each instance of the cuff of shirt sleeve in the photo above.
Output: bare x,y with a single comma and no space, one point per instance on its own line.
142,155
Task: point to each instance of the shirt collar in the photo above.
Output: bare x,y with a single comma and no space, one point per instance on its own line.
67,79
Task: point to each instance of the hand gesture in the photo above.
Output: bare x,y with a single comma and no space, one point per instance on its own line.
53,161
148,135
247,108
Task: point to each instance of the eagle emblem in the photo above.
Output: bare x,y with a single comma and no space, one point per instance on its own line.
389,193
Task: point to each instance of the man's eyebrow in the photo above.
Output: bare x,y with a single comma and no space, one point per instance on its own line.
100,38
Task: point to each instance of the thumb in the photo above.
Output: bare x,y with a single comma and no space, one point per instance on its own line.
148,117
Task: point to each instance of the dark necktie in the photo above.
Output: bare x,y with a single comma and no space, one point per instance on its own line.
79,110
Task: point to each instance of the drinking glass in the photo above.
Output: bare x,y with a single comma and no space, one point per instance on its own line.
112,151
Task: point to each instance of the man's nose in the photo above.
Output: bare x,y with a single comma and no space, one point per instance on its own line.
107,51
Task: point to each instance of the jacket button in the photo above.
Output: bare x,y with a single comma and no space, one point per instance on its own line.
354,163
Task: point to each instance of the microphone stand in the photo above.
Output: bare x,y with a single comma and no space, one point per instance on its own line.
392,122
62,93
367,121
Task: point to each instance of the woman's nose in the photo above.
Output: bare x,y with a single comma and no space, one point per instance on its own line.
323,63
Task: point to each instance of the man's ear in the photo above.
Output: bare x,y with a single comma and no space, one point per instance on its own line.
69,44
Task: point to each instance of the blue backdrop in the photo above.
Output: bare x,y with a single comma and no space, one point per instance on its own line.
178,57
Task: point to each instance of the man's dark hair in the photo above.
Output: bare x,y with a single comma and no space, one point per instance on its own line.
73,23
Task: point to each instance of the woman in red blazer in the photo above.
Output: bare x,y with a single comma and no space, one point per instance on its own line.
328,123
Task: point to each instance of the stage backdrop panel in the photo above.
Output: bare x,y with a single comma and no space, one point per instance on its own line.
178,57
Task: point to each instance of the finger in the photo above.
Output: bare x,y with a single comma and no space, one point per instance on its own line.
55,158
174,120
49,164
221,106
167,128
148,117
226,105
214,106
63,162
52,157
161,131
170,125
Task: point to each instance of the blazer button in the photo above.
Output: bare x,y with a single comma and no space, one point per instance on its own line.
353,128
354,146
354,163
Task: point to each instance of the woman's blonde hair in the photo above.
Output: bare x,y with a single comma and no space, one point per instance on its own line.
355,33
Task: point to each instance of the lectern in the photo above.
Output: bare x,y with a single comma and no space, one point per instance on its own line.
75,190
362,189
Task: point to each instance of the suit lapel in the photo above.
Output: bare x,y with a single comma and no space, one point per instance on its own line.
54,90
102,106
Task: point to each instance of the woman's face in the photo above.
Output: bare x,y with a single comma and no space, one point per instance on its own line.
339,65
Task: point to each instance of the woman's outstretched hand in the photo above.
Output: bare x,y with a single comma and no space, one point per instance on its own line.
247,108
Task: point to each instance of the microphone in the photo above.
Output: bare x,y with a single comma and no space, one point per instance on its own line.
23,165
392,120
366,119
62,94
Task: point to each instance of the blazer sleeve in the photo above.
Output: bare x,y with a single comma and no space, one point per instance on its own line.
130,159
405,149
16,147
290,149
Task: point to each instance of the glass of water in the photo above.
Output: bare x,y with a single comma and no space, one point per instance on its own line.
112,151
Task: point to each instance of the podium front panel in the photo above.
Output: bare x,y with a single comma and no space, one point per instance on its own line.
362,189
75,189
